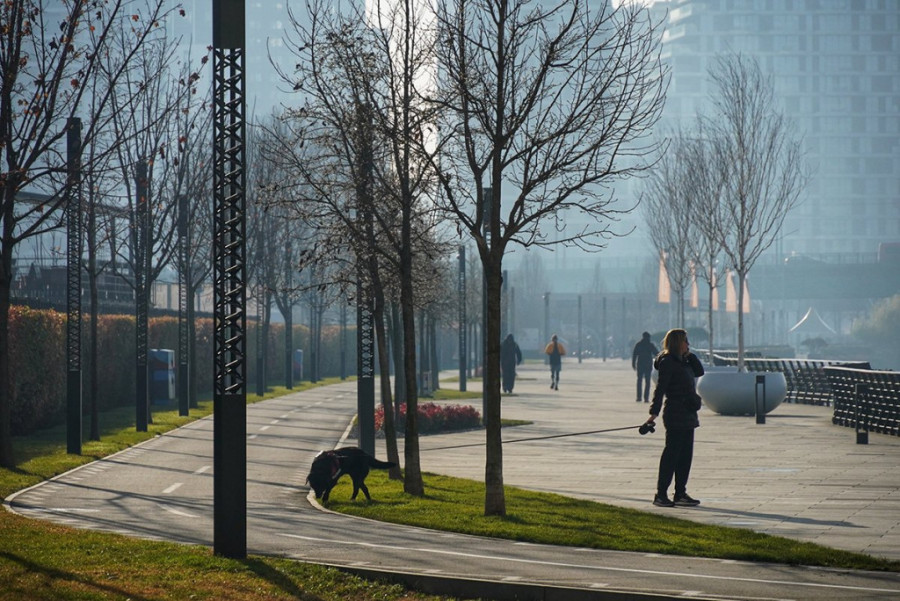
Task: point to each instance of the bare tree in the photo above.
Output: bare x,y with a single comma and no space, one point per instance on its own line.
766,171
48,53
359,67
153,131
103,204
669,208
544,105
707,184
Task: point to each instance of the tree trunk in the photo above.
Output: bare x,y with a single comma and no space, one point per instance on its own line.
740,318
95,297
412,481
494,497
384,368
288,345
710,314
6,451
397,353
192,347
264,339
433,349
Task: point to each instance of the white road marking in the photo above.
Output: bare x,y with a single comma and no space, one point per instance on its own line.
274,421
252,436
415,550
264,428
173,488
177,511
203,469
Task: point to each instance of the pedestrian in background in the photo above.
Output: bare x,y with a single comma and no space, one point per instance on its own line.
555,350
642,361
677,367
510,356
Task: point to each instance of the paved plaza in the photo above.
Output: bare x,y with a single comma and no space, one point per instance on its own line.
797,475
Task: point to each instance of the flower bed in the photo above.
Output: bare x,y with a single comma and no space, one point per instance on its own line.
434,418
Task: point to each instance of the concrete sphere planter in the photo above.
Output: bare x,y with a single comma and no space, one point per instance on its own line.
733,393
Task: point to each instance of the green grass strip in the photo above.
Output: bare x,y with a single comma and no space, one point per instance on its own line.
457,505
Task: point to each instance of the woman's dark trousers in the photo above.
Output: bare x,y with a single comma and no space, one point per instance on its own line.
676,461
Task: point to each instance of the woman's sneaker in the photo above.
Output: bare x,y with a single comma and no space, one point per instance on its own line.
685,501
663,501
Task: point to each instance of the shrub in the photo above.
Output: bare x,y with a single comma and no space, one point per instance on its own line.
434,418
37,384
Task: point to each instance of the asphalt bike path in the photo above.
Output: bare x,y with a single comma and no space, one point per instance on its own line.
163,490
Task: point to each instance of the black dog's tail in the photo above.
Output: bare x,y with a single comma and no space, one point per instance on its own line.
381,465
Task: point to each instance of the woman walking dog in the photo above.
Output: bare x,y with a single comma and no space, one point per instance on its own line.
677,367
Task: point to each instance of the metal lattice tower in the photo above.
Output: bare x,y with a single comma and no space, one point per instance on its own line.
365,385
73,287
229,282
184,284
365,319
142,302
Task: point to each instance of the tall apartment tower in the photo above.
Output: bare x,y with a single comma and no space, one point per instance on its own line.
836,70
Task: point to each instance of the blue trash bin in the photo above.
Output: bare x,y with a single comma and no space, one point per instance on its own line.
162,376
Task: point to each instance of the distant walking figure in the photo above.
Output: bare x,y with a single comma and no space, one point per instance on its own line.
510,356
555,350
642,361
677,367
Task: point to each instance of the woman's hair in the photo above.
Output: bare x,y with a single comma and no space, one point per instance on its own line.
672,342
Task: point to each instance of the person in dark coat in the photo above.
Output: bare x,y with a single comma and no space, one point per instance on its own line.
642,362
677,368
510,356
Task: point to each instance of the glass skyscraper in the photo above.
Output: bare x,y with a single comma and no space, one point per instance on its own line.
836,70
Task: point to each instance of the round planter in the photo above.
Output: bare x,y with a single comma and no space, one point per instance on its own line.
733,393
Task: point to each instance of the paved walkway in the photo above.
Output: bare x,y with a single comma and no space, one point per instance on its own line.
796,476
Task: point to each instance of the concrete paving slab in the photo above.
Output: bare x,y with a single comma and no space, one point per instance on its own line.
797,475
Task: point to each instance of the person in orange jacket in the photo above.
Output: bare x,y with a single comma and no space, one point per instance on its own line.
555,350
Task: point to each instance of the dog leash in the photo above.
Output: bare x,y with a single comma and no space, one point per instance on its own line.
644,428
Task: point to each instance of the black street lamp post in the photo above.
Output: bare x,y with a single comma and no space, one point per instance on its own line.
142,292
463,350
73,287
229,282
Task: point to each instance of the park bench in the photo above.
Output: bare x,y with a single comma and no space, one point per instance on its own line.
869,399
805,378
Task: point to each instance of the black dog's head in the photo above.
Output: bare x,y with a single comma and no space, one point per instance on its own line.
322,473
318,482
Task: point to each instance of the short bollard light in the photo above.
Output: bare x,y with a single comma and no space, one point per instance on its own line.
761,412
861,414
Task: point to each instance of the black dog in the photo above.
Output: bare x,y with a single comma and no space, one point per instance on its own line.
329,466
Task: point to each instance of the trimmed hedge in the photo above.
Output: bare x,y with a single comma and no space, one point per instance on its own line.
38,361
37,341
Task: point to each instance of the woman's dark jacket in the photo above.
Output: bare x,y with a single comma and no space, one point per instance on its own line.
676,383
